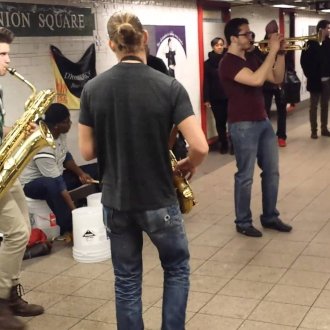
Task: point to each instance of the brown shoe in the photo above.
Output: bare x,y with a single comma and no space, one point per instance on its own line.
7,319
21,307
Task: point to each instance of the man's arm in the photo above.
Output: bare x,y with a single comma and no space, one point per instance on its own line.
265,71
71,165
86,142
6,130
198,147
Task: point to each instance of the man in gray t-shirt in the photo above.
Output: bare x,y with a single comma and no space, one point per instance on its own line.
126,117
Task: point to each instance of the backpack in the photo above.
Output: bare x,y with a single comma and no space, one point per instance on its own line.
38,244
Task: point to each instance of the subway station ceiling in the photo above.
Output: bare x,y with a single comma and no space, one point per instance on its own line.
310,5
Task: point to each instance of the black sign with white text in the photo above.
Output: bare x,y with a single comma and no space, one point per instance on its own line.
28,20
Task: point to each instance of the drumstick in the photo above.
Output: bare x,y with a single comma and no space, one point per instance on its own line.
93,181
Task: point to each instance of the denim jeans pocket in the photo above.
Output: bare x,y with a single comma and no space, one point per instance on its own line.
116,222
162,219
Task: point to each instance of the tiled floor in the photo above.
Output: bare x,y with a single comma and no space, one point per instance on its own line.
277,282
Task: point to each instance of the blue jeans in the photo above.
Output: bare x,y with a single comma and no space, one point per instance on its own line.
255,140
166,230
47,189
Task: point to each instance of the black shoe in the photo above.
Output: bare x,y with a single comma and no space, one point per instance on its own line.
249,231
278,225
314,136
231,150
325,133
223,149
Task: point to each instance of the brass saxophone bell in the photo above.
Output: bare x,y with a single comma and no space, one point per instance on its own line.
17,149
183,190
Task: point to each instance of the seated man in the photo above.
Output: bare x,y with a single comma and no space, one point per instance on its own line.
44,177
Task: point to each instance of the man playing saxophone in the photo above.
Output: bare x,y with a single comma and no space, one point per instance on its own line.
14,227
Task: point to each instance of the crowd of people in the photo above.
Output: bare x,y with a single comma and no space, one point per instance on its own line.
129,137
316,67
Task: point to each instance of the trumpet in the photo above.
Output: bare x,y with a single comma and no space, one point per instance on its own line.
295,43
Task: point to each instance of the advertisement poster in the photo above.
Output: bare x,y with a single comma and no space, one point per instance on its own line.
169,44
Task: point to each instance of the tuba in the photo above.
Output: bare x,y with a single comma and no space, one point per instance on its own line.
18,147
183,190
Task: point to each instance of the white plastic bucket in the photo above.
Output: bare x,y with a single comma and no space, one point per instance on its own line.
90,242
42,217
94,199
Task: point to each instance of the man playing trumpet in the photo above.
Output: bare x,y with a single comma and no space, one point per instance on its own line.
250,129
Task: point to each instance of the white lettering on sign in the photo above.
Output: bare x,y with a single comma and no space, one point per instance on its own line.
60,21
15,19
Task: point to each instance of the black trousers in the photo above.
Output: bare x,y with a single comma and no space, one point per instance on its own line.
280,108
219,110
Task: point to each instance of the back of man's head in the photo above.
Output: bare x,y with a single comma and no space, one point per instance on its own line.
232,28
6,35
322,24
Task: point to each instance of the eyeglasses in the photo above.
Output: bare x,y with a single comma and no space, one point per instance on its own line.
246,34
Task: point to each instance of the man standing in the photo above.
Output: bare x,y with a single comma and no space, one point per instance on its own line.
250,129
15,228
315,62
127,114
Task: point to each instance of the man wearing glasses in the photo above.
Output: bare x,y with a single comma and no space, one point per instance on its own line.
250,129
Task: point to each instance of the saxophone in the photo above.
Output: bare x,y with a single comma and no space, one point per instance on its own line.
17,148
183,190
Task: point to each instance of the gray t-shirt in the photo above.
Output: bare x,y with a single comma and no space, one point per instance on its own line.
48,162
132,109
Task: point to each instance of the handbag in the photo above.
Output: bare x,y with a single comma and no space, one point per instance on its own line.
291,87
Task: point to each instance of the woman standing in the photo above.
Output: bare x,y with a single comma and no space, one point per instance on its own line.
214,95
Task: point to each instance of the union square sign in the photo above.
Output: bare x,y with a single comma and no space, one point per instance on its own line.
31,20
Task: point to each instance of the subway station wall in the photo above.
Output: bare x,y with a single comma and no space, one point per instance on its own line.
30,56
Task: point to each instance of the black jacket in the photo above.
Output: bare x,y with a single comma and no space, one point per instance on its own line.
156,63
315,64
213,90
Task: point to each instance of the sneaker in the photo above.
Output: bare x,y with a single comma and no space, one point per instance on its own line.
249,231
314,136
325,133
281,142
67,237
290,107
278,225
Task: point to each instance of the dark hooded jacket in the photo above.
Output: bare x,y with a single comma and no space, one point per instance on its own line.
213,90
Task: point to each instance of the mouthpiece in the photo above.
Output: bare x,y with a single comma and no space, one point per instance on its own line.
11,70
